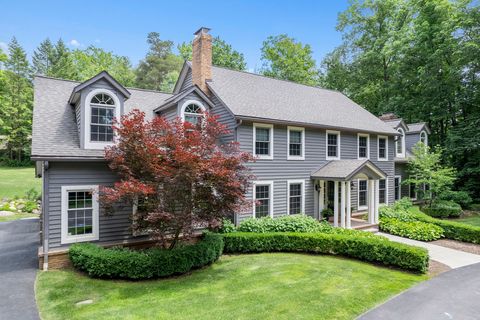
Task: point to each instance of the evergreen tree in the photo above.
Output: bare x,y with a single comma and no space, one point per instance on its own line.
43,58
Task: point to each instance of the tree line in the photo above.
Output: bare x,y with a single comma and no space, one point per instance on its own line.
417,58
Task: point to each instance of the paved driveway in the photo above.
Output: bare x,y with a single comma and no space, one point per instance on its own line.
18,267
452,295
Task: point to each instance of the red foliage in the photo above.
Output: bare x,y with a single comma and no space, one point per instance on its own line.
179,176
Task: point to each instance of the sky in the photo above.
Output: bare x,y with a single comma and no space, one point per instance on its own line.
122,26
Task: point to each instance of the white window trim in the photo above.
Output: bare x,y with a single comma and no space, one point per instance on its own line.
338,145
188,102
402,140
378,148
270,151
386,193
65,238
270,195
302,182
358,145
302,156
98,145
426,137
359,207
399,187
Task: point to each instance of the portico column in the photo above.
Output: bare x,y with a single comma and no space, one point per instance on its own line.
371,200
349,205
335,204
342,204
321,197
377,200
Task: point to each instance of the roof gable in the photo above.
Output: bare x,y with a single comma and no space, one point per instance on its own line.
176,98
345,170
102,75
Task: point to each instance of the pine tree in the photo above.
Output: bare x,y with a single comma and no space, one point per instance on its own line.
43,58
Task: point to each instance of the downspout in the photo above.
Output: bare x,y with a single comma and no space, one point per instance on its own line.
45,218
237,124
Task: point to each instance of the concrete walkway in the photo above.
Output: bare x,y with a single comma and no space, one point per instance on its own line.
18,268
451,257
452,295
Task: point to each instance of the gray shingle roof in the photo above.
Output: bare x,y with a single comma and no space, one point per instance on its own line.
55,131
345,169
416,127
253,96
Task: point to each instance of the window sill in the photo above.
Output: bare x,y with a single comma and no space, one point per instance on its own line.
294,158
75,239
264,157
382,159
333,158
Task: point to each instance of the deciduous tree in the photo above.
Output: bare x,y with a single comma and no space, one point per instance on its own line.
177,175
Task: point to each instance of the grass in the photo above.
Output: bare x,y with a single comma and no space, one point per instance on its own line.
17,181
18,216
259,286
473,219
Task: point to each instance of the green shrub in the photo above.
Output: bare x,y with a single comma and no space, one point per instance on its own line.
30,206
33,195
227,226
475,207
287,223
327,213
416,230
443,209
403,204
122,263
460,197
367,249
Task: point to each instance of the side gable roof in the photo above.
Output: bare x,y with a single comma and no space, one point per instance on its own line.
102,75
397,123
418,127
55,131
347,169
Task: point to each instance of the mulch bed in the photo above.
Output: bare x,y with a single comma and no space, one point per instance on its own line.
435,268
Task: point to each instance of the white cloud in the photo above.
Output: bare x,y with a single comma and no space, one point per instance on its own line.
4,47
75,43
97,41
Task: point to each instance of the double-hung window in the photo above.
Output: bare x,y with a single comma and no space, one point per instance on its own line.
382,148
263,141
263,194
333,145
101,118
363,146
397,186
400,144
296,196
382,191
79,220
296,143
362,194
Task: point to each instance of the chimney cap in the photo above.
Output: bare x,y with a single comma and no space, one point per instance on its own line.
202,30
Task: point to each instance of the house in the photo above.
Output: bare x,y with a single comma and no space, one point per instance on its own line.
316,148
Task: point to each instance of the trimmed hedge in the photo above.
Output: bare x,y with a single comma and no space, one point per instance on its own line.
416,230
453,230
123,263
368,249
443,209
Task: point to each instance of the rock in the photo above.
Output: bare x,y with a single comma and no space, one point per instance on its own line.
20,206
36,211
6,213
84,302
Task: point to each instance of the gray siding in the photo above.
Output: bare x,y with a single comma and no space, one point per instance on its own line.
401,170
112,228
225,117
188,80
411,139
279,170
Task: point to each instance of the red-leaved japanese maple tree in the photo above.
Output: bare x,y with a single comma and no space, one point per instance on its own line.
178,176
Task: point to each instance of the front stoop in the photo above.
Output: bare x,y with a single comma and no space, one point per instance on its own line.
359,224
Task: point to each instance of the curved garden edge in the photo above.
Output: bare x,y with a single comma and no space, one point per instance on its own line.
156,263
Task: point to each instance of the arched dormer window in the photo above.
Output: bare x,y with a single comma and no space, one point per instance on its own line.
423,138
101,107
101,120
192,111
400,144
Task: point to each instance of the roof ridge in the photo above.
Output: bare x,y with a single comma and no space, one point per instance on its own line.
272,78
79,82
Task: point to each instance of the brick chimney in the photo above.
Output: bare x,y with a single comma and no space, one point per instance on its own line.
202,58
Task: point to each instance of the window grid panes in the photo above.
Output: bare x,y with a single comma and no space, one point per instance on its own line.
382,148
262,199
295,198
332,145
101,124
295,147
362,147
362,192
80,213
382,191
193,114
262,141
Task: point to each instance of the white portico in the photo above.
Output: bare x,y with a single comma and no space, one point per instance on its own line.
333,185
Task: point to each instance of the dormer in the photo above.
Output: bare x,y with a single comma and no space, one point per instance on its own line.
417,132
402,129
97,102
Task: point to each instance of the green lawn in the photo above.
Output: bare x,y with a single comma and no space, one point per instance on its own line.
17,181
260,286
17,216
473,220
